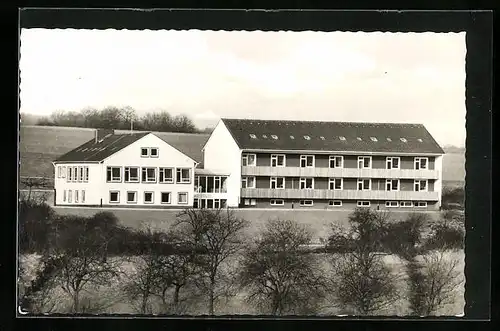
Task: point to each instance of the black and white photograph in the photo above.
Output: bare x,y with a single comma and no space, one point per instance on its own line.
271,173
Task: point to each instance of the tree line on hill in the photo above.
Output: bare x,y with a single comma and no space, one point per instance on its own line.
120,118
205,258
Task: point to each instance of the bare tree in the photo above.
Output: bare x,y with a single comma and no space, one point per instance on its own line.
217,234
79,256
140,284
361,280
433,282
279,276
33,182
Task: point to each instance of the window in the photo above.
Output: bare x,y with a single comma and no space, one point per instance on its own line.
364,162
373,138
248,160
392,184
307,138
182,198
307,161
114,174
216,203
131,197
277,202
277,160
153,152
277,182
131,174
420,163
58,171
249,202
420,140
114,196
391,204
183,175
322,138
148,197
76,195
336,161
75,174
83,196
335,203
389,139
166,175
144,152
406,204
335,183
392,162
359,138
70,196
364,184
264,136
63,174
306,183
363,203
148,175
195,203
70,174
165,197
342,138
248,182
274,136
420,185
292,137
306,203
86,177
253,136
64,196
403,139
421,204
80,174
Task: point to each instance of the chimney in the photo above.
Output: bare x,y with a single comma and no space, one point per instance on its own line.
100,134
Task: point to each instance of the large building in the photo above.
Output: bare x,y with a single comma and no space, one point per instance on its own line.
263,164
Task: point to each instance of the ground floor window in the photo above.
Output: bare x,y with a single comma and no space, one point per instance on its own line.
182,198
70,196
406,204
165,197
83,196
64,196
148,197
391,204
421,204
114,196
335,203
306,203
249,202
131,197
277,202
363,203
209,203
76,196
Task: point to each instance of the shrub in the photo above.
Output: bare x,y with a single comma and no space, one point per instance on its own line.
445,235
35,226
403,238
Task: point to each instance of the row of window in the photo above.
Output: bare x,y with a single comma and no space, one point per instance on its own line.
149,152
306,137
73,173
74,196
209,203
148,197
306,183
335,161
148,175
338,203
210,184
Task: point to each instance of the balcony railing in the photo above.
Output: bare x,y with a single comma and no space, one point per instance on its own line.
338,194
340,172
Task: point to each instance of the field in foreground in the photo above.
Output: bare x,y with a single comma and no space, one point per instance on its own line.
112,300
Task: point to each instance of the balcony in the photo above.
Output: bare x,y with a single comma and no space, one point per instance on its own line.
340,172
340,194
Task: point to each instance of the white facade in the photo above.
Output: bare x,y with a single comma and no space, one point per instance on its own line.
100,190
222,154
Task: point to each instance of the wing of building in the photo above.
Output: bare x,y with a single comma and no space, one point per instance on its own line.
260,163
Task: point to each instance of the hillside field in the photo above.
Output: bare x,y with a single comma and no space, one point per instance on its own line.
40,145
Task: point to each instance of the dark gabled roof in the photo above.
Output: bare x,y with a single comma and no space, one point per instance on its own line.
328,136
98,151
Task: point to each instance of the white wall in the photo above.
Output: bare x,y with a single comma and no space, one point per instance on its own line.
222,153
131,156
91,188
438,184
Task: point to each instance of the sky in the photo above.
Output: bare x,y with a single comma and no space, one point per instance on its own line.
328,76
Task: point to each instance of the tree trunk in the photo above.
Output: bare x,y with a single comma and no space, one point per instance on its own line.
211,296
29,193
76,302
144,305
176,299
